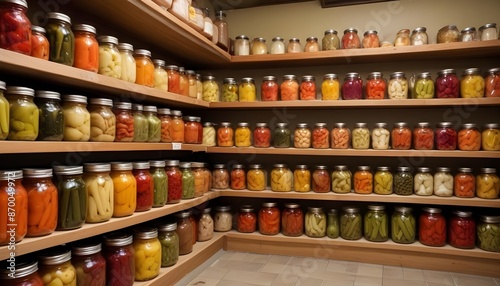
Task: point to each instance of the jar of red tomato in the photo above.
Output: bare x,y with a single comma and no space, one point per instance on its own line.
423,137
292,220
447,84
269,89
15,26
261,136
25,273
352,88
350,39
145,186
432,227
269,219
119,255
89,264
308,88
462,230
445,136
247,219
174,181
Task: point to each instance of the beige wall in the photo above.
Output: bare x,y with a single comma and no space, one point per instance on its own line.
309,19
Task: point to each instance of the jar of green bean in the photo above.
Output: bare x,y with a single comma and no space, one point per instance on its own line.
188,189
141,126
350,223
154,124
403,226
169,244
488,233
315,222
403,182
332,230
375,224
160,181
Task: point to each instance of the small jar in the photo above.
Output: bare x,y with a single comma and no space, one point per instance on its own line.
464,184
225,135
487,184
423,182
321,180
184,231
352,88
124,189
205,226
350,223
423,87
269,89
86,48
25,273
403,225
51,117
492,83
208,134
247,220
72,207
341,180
145,186
320,136
169,241
188,190
312,45
432,227
89,264
229,90
16,29
269,219
277,46
120,262
490,137
23,114
246,90
160,187
360,136
174,181
340,136
469,138
330,41
302,136
472,84
61,51
301,179
402,38
281,136
423,137
55,266
403,182
292,220
102,120
193,131
238,177
110,60
223,219
370,39
462,230
448,34
468,34
330,87
192,84
487,233
488,32
350,39
241,46
39,43
281,178
419,37
174,79
160,75
154,123
99,189
129,73
401,136
363,180
380,137
375,86
177,126
383,181
376,226
211,91
315,222
256,178
333,227
307,88
294,46
16,221
398,86
261,136
166,125
445,136
289,88
220,177
4,109
183,82
258,46
141,125
125,123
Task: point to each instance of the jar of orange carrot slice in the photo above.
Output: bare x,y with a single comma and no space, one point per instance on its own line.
469,138
320,136
423,137
238,177
363,180
464,183
247,219
86,48
401,136
269,219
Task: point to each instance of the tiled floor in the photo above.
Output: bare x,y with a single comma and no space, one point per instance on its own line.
248,269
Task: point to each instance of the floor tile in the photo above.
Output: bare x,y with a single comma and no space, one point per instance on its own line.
438,284
214,272
370,271
367,281
338,277
222,262
252,277
413,274
203,281
234,283
497,280
303,281
280,259
239,256
273,268
401,282
352,269
254,257
335,266
395,272
368,264
244,265
472,280
337,283
438,277
304,267
285,280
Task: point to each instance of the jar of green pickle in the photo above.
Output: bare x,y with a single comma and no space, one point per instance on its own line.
332,230
211,91
403,225
72,197
383,181
23,115
141,125
488,233
246,90
169,244
350,224
154,124
188,189
424,86
4,111
403,182
375,224
281,136
341,179
160,182
315,222
229,90
51,118
61,38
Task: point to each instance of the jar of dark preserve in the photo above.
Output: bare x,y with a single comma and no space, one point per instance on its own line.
445,136
462,230
72,197
145,186
185,232
51,123
447,84
26,273
432,227
169,244
120,262
269,219
15,31
352,88
89,264
281,136
292,220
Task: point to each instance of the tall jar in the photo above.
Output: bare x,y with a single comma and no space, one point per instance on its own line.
363,180
145,186
301,179
208,27
269,219
277,46
403,182
490,137
376,225
472,84
241,46
419,37
247,220
86,48
23,114
447,84
124,189
487,233
341,180
102,120
302,136
360,136
174,79
154,123
72,197
211,91
193,131
222,27
208,134
246,90
110,60
223,219
258,46
312,45
192,89
352,88
488,32
330,41
129,72
166,125
220,177
199,178
401,136
445,136
184,232
464,183
398,86
375,86
402,38
423,182
333,228
183,82
160,75
174,181
315,222
177,126
4,109
294,46
492,83
15,34
61,38
423,137
147,250
120,262
281,136
51,117
225,135
141,125
424,86
307,88
205,226
468,34
25,273
350,39
289,88
55,266
281,178
340,136
487,184
89,264
469,138
145,69
269,89
169,241
229,90
462,230
125,123
330,87
10,186
292,220
261,136
321,179
238,177
403,225
432,227
76,118
383,181
188,190
351,223
99,188
256,178
380,136
160,182
370,39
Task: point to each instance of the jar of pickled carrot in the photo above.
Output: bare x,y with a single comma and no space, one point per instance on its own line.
445,136
352,88
289,88
247,220
469,138
199,178
261,136
72,199
432,227
160,75
269,219
363,180
99,189
225,135
320,136
350,39
166,125
124,122
490,137
256,178
487,184
56,267
464,183
220,177
193,131
492,83
242,135
471,84
401,136
321,179
462,230
340,136
292,220
13,197
141,125
173,79
423,137
42,196
269,89
177,130
145,68
145,186
39,43
246,90
86,48
174,181
25,273
330,87
307,88
89,263
302,136
183,82
124,189
376,86
447,84
301,179
238,177
15,34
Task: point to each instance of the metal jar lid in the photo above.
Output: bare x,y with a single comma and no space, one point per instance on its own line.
279,166
261,124
176,112
225,124
308,78
163,111
424,170
330,31
330,76
243,124
320,125
404,169
22,269
108,40
269,205
242,37
376,207
289,77
360,125
18,90
278,39
222,208
380,125
208,78
471,71
17,2
301,167
48,94
246,209
185,165
494,70
140,165
37,173
340,125
247,80
159,63
191,119
137,107
121,166
54,256
364,168
488,170
492,126
167,227
84,28
219,166
370,32
150,108
403,210
397,75
315,210
206,210
208,124
281,125
172,163
350,30
145,233
182,70
74,98
313,39
432,210
294,40
229,80
321,167
424,75
332,212
462,213
468,30
490,219
383,169
446,72
350,210
352,75
59,16
86,248
423,124
341,168
465,170
118,239
183,214
11,175
292,206
255,166
375,75
197,164
142,52
444,124
172,67
420,30
302,125
237,166
123,105
68,170
269,78
157,163
102,101
400,124
125,47
38,29
469,126
486,26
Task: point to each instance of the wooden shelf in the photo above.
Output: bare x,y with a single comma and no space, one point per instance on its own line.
28,245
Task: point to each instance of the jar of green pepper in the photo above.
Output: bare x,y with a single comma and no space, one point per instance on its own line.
169,244
281,136
51,117
61,38
488,233
24,118
72,197
188,189
403,182
351,224
375,224
403,225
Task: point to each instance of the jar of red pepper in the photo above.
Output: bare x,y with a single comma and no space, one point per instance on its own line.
307,88
269,89
445,136
462,230
432,227
247,219
119,255
352,88
89,264
86,48
350,39
15,26
261,136
269,219
174,181
193,131
145,186
375,86
447,84
39,43
292,220
423,137
238,177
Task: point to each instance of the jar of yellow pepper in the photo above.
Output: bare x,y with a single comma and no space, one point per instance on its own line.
383,181
124,189
301,179
256,178
242,135
472,84
147,255
330,87
490,137
487,184
56,268
281,178
229,90
246,90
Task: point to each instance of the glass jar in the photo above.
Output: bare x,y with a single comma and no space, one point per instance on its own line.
4,109
363,180
289,88
55,266
340,136
370,39
403,182
169,241
223,219
199,178
447,84
269,219
51,120
247,220
238,177
301,179
402,38
124,189
15,34
147,250
445,136
423,182
269,89
125,123
177,126
184,231
205,226
193,131
487,184
208,134
312,45
160,75
262,136
350,224
383,181
490,137
277,46
302,136
89,264
292,220
160,182
241,46
102,120
281,178
256,178
25,273
72,197
462,230
229,90
23,114
321,180
76,118
423,137
220,177
419,37
120,262
208,178
154,123
398,86
330,41
61,38
469,138
464,183
432,227
188,191
492,83
246,90
294,46
424,86
166,125
193,88
225,135
380,137
110,60
401,136
174,181
403,225
307,88
39,43
183,82
145,186
487,233
141,124
99,189
330,87
448,34
281,136
375,86
341,180
468,34
376,226
174,79
352,88
86,48
128,73
360,136
222,27
350,39
14,218
472,84
315,222
333,228
258,46
199,87
488,32
210,89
